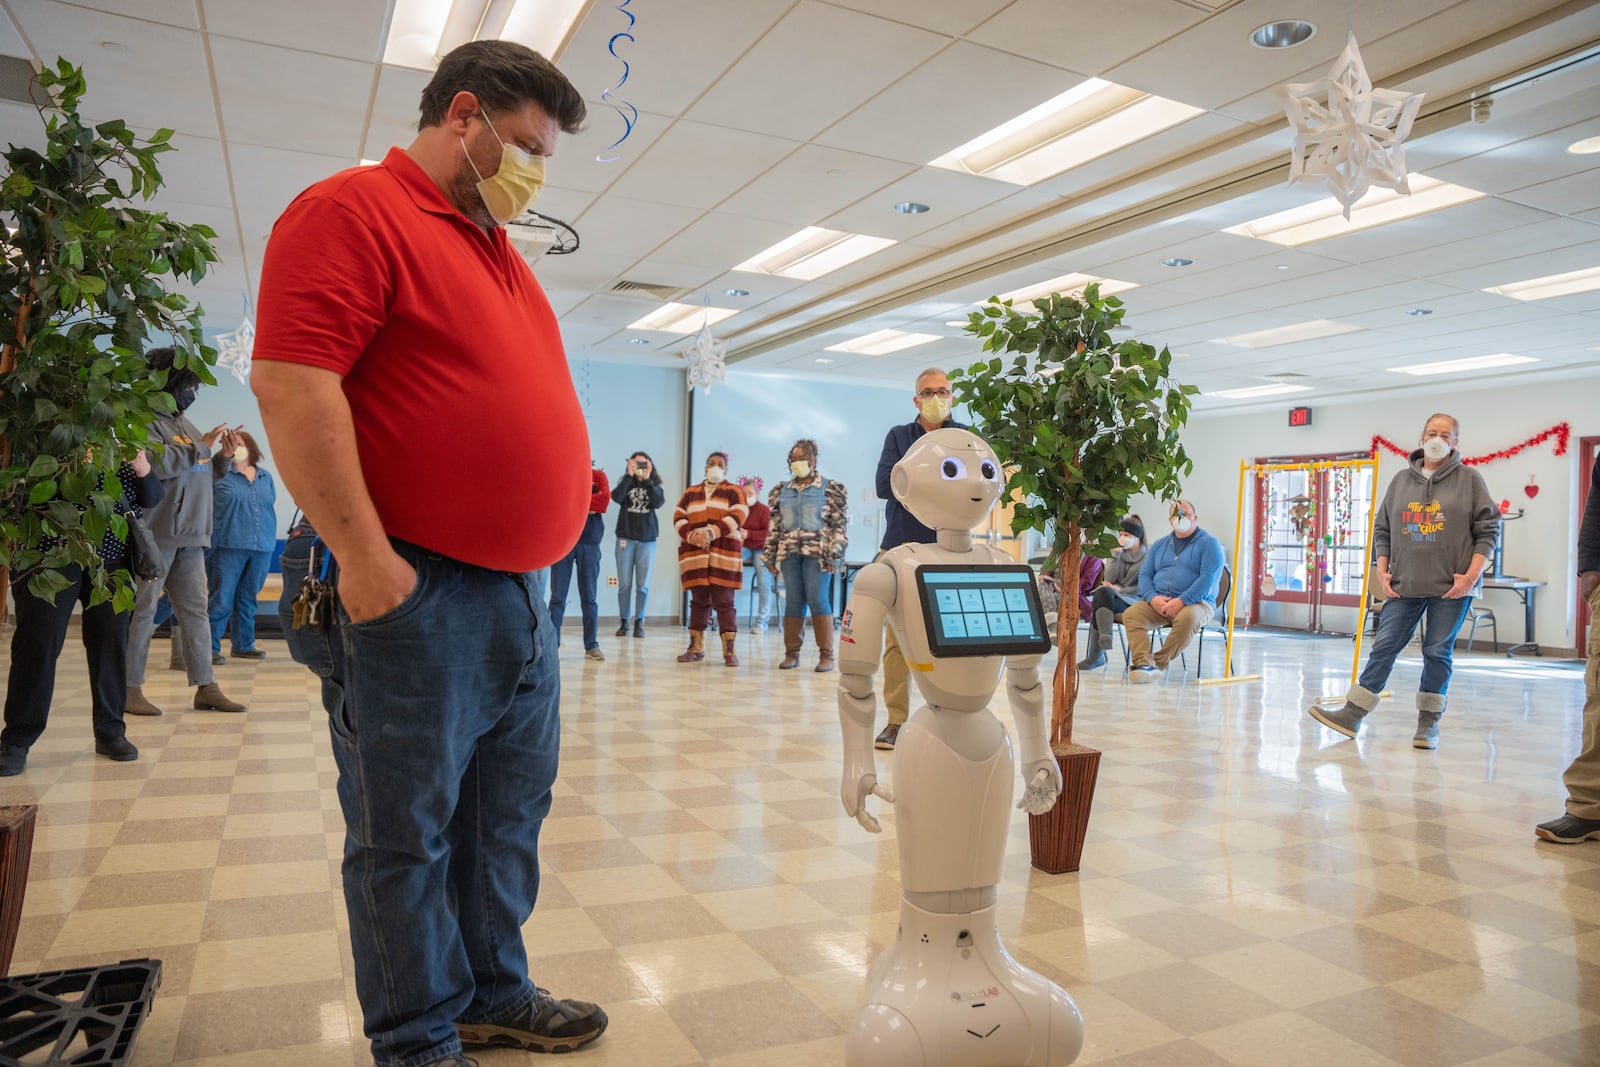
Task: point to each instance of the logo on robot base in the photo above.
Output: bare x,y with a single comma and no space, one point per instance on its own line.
976,994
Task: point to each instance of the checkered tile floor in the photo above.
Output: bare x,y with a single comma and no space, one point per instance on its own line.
1252,893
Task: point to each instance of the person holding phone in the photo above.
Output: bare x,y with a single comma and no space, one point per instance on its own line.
638,497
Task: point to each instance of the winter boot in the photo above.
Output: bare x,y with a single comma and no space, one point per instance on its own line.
1429,707
822,626
638,626
137,704
210,697
697,648
622,629
791,643
1104,620
728,658
1358,703
1093,660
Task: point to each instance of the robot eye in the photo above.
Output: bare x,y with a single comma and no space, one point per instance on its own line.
989,471
953,468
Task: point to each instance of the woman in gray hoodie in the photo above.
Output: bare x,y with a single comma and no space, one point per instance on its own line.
1434,534
1118,589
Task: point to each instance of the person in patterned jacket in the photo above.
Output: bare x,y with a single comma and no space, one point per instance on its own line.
710,564
806,541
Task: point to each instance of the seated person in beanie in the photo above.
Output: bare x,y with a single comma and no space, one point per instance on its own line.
1177,588
1117,592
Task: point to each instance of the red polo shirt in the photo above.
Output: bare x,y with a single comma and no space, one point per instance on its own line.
470,435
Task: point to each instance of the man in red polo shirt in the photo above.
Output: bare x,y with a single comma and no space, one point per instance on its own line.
403,349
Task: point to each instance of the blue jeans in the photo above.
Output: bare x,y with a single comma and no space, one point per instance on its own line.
635,561
804,586
1441,621
234,577
446,731
586,558
762,582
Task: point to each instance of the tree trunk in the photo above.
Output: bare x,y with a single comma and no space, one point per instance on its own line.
1064,691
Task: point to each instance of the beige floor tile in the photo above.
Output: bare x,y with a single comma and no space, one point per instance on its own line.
663,919
287,823
298,1022
270,879
109,930
122,890
172,856
620,885
716,1022
1282,974
1501,1006
692,965
1113,1028
1289,1037
263,962
1404,1028
778,905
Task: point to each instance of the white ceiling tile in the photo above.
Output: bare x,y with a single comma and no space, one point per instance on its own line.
268,95
658,270
1527,162
1150,154
267,179
1523,268
1475,250
840,57
180,13
349,28
948,195
21,125
591,271
10,40
396,108
721,240
577,164
1242,275
812,184
631,227
695,165
563,204
946,102
959,233
1478,217
1061,34
1572,195
952,17
195,172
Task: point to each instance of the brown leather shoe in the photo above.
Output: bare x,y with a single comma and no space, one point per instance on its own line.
210,697
697,648
137,704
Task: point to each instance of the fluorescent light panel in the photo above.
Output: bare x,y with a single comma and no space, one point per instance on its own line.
1067,283
681,318
1455,366
1259,391
1082,124
1283,335
421,31
1325,218
883,342
1575,281
813,252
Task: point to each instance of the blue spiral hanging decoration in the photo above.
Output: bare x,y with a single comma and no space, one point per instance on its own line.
629,113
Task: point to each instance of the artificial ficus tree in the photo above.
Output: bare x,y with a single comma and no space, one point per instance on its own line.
84,282
1082,423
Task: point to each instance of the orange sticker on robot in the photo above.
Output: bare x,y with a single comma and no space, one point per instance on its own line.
919,666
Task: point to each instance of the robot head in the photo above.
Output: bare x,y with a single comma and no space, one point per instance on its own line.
948,480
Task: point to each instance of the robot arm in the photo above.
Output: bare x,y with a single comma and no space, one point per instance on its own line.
860,650
1041,774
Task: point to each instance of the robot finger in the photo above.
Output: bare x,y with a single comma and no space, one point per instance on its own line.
883,793
868,823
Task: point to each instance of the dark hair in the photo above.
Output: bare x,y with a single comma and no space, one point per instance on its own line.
1132,525
250,445
504,76
718,455
178,378
806,445
655,475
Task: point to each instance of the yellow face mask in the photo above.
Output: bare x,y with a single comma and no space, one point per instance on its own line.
512,189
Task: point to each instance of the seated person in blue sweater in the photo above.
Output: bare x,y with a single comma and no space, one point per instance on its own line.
1177,588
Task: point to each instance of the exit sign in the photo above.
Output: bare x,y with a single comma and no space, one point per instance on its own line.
1299,416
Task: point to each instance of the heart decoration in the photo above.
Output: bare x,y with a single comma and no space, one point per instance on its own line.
1505,507
1532,488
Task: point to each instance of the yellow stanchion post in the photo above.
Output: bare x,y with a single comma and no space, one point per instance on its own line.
1228,677
1366,575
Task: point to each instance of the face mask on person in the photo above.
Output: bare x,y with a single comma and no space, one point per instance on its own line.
512,189
241,455
1182,524
714,475
1128,542
935,409
799,468
184,398
1436,448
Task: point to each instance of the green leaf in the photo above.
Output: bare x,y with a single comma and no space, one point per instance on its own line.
42,491
43,467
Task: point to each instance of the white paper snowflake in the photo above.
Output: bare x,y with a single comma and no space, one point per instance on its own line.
706,360
234,349
1348,133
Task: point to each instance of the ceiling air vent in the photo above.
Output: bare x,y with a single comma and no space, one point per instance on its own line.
17,84
648,290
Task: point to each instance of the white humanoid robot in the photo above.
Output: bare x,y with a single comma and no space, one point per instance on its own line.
947,994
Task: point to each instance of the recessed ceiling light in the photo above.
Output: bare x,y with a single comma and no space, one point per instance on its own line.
735,292
423,31
1283,266
824,359
1067,283
1066,131
1574,281
1285,33
1283,335
638,340
113,46
1450,366
910,207
681,318
1586,147
882,342
1325,218
1419,312
813,252
1259,390
1177,261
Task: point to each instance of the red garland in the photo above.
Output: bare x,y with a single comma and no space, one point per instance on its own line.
1561,431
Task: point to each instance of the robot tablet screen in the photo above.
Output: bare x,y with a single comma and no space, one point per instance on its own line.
981,610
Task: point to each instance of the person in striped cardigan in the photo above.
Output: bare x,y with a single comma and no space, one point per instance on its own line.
710,556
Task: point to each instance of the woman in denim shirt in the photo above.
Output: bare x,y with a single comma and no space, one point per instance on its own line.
244,533
805,542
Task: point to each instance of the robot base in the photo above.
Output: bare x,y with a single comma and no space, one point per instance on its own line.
948,995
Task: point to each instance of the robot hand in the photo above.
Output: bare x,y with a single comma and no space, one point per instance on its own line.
1044,786
854,794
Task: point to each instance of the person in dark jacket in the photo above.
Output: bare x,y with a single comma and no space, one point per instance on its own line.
182,528
1582,819
1117,591
638,496
1433,536
585,557
41,633
755,540
245,531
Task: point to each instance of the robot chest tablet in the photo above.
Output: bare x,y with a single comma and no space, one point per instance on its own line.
979,610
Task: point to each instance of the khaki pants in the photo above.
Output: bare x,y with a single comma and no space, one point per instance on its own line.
1583,777
1141,618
